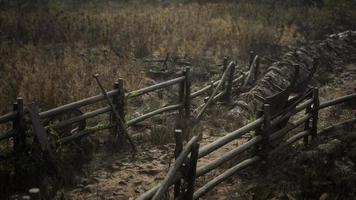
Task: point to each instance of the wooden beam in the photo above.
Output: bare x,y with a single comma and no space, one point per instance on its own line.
174,169
338,100
151,88
153,113
8,117
227,156
222,177
76,104
207,149
81,117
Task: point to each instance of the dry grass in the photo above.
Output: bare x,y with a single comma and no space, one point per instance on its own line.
48,55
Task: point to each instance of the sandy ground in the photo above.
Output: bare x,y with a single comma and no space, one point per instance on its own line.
124,176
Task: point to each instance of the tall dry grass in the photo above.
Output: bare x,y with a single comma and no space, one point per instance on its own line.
49,54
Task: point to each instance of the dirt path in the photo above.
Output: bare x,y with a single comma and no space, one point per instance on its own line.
123,176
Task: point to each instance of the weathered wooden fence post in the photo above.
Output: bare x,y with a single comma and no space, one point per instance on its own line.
19,127
187,103
191,175
228,89
315,111
264,147
307,123
119,103
19,138
181,96
252,56
225,64
177,150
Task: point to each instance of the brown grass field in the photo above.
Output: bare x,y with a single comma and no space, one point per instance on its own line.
48,54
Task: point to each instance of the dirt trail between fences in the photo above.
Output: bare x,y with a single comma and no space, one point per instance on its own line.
120,176
124,176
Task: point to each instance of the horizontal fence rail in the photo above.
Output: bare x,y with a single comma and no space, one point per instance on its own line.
82,117
270,131
8,117
77,104
309,102
155,87
153,113
338,100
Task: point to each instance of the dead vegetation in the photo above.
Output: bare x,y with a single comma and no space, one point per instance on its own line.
48,53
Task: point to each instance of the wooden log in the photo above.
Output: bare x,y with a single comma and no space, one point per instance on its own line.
79,118
204,89
19,127
151,88
265,133
191,175
238,79
122,125
39,129
8,117
113,120
315,111
207,149
290,141
178,149
307,124
252,56
120,107
180,117
280,133
76,104
153,113
251,76
223,79
225,66
148,194
288,113
174,169
82,133
229,84
222,177
187,103
338,101
228,156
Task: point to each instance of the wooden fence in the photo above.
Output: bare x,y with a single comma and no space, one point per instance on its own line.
270,128
42,122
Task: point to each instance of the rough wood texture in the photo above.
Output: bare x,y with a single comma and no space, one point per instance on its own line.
174,169
227,174
8,117
39,129
76,104
155,87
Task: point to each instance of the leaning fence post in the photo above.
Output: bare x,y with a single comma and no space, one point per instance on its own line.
228,89
187,102
191,175
177,150
315,113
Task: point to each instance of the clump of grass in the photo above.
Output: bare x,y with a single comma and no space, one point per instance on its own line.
49,53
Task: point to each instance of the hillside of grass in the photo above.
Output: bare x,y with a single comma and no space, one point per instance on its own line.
49,49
